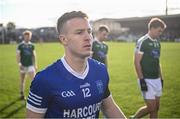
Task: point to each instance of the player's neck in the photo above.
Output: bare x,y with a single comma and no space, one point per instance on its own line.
151,35
25,41
98,38
77,64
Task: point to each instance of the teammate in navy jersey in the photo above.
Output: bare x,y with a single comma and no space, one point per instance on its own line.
75,86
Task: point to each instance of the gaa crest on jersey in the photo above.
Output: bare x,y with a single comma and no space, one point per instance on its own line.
99,85
67,94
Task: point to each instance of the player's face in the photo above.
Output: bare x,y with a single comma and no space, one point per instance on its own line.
103,35
157,31
78,37
27,38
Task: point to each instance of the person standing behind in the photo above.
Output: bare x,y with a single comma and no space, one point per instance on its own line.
147,66
99,48
26,59
75,86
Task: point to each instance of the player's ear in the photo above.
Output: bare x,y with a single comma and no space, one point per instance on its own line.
63,39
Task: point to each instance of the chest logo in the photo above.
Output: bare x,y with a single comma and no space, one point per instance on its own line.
155,53
69,93
99,85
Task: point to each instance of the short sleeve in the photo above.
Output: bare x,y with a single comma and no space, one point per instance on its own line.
33,47
38,95
106,52
107,93
94,46
18,49
140,47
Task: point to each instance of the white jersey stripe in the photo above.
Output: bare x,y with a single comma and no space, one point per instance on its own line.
35,109
139,43
30,97
35,95
34,102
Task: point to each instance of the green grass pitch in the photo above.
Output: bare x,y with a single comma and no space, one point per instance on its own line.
123,83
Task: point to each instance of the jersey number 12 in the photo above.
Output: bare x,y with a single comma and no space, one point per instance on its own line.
86,92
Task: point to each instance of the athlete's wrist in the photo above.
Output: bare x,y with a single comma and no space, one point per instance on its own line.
162,83
141,78
143,85
19,64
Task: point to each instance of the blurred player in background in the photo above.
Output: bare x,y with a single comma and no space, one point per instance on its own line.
99,48
147,65
26,59
75,86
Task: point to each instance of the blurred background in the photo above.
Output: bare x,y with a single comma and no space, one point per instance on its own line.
126,19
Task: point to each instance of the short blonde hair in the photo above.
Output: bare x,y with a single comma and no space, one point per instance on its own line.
103,28
27,32
156,22
67,16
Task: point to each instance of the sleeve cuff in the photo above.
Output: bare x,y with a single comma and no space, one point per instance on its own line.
17,51
108,96
140,52
35,109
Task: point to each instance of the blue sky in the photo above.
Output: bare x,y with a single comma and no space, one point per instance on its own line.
38,13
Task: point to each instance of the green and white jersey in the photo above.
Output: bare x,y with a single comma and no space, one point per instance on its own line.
100,51
26,53
150,48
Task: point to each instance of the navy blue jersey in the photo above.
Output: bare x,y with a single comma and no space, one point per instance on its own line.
59,92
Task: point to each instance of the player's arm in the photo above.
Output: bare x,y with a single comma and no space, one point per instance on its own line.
160,72
31,114
18,58
160,75
93,50
37,101
34,58
106,57
110,109
137,61
106,61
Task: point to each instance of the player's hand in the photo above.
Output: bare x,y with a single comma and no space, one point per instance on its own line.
21,66
162,83
143,85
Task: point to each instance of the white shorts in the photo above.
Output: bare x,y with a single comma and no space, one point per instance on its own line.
154,88
28,69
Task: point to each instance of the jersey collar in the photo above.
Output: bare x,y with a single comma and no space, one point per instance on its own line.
78,75
95,39
150,37
26,43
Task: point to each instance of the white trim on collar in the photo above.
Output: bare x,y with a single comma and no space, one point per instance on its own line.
78,75
98,41
26,43
150,37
